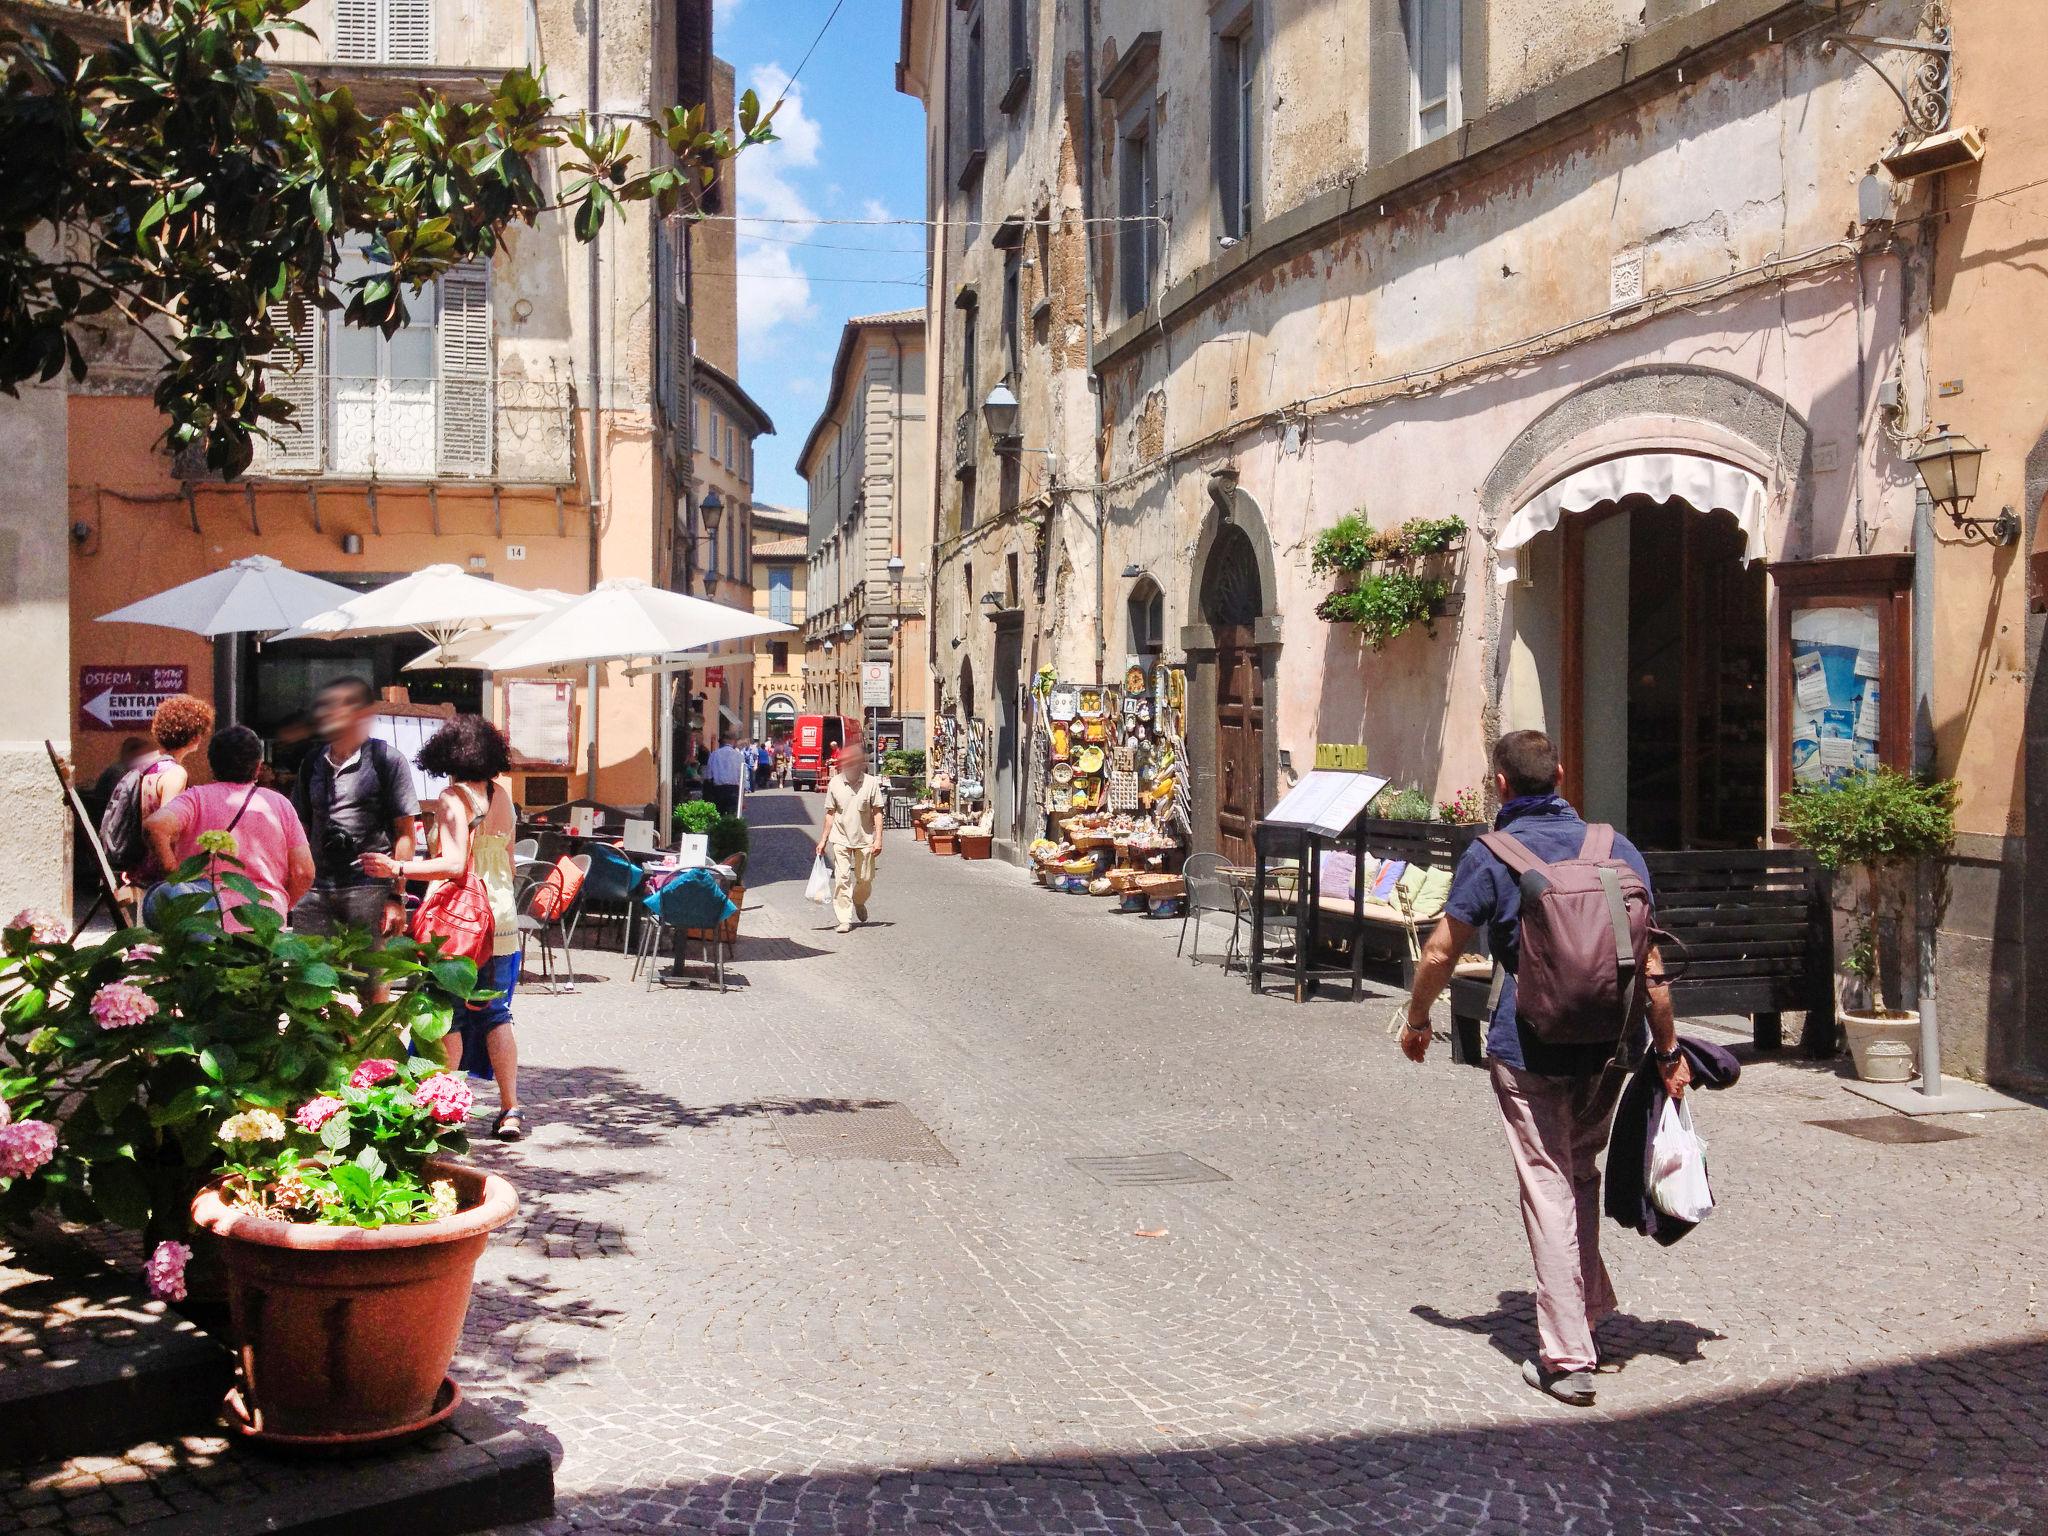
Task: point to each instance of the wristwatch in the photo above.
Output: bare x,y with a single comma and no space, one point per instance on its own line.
1667,1058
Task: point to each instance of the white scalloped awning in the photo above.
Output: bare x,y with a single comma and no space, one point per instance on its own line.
1708,485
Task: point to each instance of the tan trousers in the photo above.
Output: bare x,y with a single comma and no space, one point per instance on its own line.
1555,1164
853,878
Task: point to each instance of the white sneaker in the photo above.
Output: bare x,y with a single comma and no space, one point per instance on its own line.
846,927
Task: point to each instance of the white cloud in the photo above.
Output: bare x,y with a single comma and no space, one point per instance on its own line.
774,290
722,10
874,210
805,385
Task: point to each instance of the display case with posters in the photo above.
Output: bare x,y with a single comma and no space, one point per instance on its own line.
1844,667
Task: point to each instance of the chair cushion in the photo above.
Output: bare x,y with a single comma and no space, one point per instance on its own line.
555,895
1423,890
1389,876
1337,872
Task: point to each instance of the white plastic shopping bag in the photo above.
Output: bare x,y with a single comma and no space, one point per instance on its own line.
1678,1165
820,887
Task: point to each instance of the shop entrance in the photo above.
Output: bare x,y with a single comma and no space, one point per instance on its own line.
1009,699
1663,675
1231,603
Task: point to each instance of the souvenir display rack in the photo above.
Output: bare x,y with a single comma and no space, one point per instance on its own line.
956,785
1114,781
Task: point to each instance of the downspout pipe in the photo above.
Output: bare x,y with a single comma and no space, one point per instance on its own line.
595,15
1088,239
1927,876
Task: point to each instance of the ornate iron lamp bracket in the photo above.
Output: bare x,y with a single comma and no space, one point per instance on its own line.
1926,95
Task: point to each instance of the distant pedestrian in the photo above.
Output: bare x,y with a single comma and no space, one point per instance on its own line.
270,843
155,777
133,750
1556,1099
356,796
724,773
474,827
854,804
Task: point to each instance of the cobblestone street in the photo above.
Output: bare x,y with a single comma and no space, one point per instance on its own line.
745,1293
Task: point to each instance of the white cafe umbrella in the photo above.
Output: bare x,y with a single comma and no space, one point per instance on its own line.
620,620
440,602
254,594
461,650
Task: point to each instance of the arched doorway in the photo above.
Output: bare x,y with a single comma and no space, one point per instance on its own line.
1230,685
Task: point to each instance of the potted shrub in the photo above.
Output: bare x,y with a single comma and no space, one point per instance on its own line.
1388,582
350,1243
123,1058
696,818
1877,825
730,844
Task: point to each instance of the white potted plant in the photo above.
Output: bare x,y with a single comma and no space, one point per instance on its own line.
1875,826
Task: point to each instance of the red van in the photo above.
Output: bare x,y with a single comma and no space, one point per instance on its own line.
814,745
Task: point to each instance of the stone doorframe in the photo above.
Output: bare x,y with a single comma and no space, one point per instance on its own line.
1229,507
1658,407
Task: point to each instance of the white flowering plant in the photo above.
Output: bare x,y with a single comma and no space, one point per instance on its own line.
122,1056
355,1157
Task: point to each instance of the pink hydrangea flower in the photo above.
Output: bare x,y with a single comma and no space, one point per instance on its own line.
315,1113
122,1005
43,927
368,1074
25,1146
135,954
6,1114
165,1271
446,1097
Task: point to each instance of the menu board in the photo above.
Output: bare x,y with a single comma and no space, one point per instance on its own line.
1836,683
407,733
540,722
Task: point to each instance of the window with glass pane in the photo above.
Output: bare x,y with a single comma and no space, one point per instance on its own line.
381,417
1433,40
781,589
1234,132
1137,206
976,88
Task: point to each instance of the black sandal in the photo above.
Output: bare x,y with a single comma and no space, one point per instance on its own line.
510,1125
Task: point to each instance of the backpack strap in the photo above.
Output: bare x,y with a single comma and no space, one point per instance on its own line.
1599,844
1531,873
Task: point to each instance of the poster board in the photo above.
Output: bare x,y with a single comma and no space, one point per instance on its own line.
540,723
408,727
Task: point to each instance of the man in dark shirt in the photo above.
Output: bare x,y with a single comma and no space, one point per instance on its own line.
1553,1098
355,797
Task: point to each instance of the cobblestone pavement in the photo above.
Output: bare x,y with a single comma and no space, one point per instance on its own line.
728,1314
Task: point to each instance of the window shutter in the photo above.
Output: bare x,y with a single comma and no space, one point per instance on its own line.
356,28
292,373
408,31
463,344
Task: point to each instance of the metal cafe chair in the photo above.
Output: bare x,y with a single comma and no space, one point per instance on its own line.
551,933
1209,892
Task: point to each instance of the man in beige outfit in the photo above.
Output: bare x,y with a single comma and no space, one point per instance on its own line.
854,804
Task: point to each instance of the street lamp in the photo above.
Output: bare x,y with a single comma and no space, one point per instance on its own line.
999,410
1948,467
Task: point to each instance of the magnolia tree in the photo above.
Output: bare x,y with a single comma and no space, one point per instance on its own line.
157,172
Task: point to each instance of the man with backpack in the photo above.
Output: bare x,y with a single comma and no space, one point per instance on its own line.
1577,996
355,796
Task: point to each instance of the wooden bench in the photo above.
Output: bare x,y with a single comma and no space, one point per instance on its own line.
1756,936
1386,932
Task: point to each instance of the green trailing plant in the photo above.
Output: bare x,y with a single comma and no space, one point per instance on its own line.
1353,544
1881,822
130,1053
1384,605
728,836
901,762
163,179
696,817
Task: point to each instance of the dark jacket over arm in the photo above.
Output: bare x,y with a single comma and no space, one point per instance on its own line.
1635,1124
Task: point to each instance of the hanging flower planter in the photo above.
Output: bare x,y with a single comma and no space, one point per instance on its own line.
1388,581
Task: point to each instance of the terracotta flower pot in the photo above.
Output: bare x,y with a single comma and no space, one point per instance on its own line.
976,845
917,831
345,1333
945,844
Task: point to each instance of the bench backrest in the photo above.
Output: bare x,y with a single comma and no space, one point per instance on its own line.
1755,926
1435,844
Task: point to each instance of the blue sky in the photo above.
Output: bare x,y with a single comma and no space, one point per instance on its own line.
851,147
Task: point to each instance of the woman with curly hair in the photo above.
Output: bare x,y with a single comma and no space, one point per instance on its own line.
180,724
474,826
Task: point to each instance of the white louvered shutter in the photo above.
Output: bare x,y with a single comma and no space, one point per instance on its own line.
292,373
358,26
463,343
408,31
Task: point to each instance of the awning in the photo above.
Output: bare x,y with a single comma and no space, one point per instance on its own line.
730,718
1709,485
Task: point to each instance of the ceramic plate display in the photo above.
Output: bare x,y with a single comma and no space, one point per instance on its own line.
1098,730
1060,737
1134,680
1176,688
1144,709
1089,759
1063,773
1091,702
1061,703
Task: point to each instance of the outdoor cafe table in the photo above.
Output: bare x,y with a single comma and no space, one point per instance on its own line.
658,875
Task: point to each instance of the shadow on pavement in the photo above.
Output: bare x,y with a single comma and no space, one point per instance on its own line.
1950,1443
1511,1329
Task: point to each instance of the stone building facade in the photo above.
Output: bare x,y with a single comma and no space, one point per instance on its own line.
865,462
1648,296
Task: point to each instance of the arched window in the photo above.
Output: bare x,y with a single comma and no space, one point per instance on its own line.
1145,620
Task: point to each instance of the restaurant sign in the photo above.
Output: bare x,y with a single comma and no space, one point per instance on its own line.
1340,756
124,698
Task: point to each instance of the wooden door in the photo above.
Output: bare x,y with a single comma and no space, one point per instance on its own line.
1240,743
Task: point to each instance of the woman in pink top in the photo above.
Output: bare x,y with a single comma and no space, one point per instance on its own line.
269,840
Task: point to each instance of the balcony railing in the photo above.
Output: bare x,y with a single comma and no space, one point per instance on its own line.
455,426
963,442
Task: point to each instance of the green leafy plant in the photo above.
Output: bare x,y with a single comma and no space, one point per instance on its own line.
1880,821
1352,543
355,1157
728,836
1431,536
162,178
132,1050
696,817
899,762
1405,804
1385,604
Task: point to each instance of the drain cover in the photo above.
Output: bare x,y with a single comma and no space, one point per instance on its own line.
1148,1168
1892,1130
880,1132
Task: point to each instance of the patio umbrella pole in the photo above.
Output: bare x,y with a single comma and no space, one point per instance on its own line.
665,691
590,772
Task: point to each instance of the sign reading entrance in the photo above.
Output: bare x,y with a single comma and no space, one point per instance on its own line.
124,698
1340,756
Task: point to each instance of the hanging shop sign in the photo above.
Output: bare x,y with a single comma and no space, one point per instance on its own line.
124,698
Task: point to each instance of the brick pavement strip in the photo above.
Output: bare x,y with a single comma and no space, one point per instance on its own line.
719,1336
